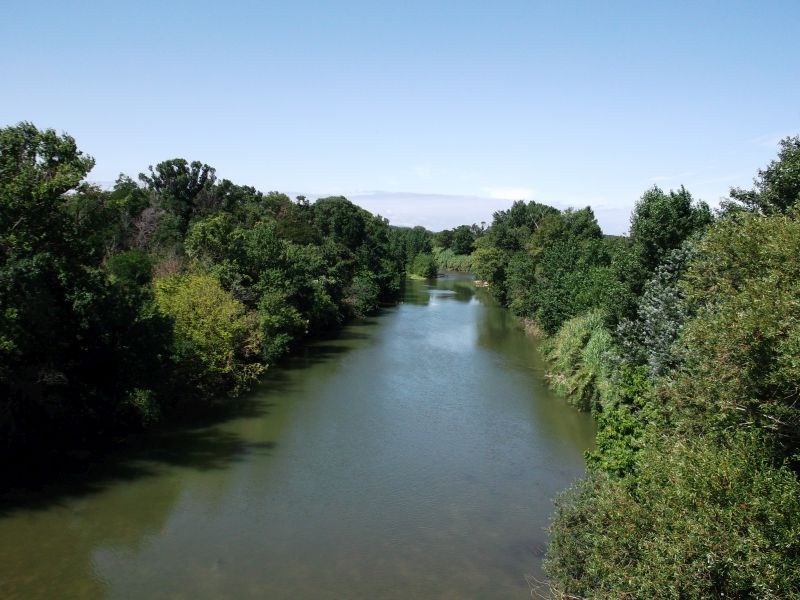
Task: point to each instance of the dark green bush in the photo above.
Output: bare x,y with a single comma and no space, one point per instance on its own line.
704,518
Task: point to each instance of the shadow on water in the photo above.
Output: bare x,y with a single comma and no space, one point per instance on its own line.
306,357
197,442
201,446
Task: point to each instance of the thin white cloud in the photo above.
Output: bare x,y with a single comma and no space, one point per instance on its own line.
509,193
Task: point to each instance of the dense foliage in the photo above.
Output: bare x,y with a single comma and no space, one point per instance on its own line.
119,305
425,254
683,340
703,519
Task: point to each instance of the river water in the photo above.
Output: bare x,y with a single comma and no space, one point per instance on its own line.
413,456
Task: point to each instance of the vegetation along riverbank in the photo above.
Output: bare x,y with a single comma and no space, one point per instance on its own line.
683,341
125,306
122,307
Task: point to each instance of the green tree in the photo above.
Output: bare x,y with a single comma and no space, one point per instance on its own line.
463,238
662,221
75,344
341,220
490,264
777,188
661,314
739,353
217,341
179,186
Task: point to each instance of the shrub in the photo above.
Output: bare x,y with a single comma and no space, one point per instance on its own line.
217,342
579,360
363,293
740,352
705,518
626,410
448,260
424,265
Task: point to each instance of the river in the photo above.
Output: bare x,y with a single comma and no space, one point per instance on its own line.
415,455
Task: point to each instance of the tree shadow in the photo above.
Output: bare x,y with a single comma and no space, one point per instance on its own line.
199,444
191,437
305,358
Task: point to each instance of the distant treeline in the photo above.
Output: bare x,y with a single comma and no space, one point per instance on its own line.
683,340
120,306
426,253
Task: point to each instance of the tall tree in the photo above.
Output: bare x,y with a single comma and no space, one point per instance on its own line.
179,185
777,188
662,221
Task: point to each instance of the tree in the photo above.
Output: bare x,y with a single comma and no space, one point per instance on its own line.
444,239
490,264
572,273
40,259
338,218
662,221
75,344
178,185
407,242
217,341
777,188
511,229
661,314
739,353
37,169
463,238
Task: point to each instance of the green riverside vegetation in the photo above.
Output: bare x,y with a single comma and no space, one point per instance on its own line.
683,340
120,307
127,306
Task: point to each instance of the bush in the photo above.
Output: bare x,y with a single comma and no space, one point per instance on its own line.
217,342
448,260
363,293
424,265
703,519
740,353
579,357
621,423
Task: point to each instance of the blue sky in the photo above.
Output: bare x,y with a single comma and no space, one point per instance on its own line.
434,113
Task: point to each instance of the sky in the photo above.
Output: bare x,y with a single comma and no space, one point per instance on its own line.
430,113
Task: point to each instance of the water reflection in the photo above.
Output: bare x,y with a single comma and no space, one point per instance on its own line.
456,286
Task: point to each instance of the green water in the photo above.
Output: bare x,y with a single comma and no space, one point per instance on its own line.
413,456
